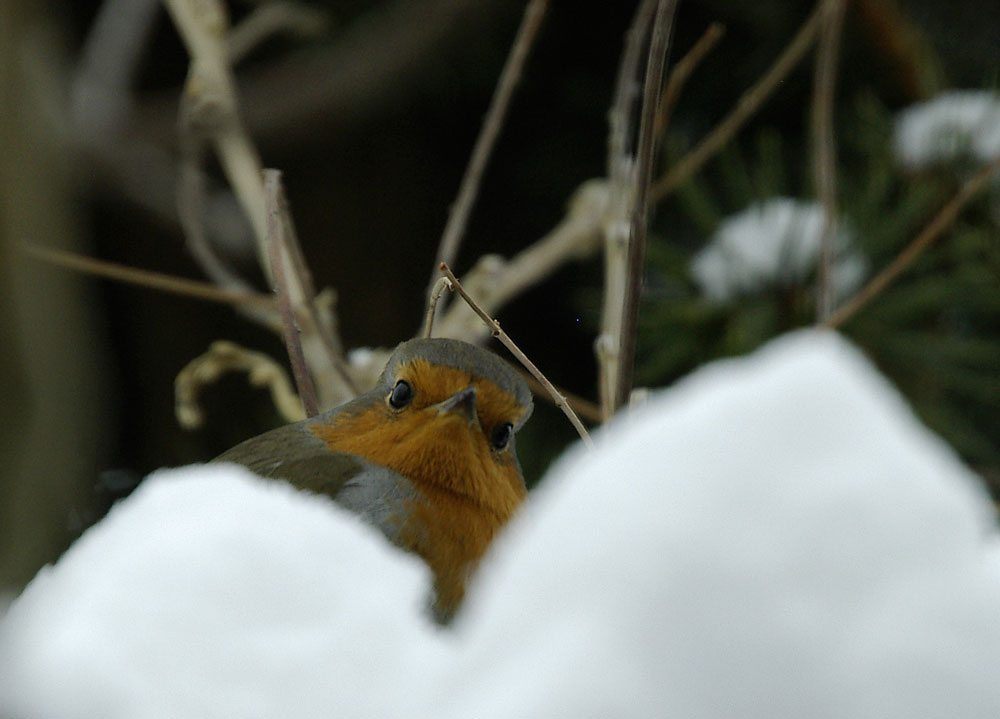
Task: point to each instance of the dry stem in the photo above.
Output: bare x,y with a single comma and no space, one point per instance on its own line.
745,107
583,407
272,18
496,281
507,342
223,357
510,75
211,111
440,286
683,70
941,222
277,245
645,150
825,149
621,202
145,278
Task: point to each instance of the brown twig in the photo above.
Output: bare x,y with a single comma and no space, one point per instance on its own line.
652,87
583,407
223,357
273,18
745,107
496,281
510,75
507,342
191,193
627,89
323,335
210,101
824,150
145,278
277,247
683,70
621,201
931,232
440,286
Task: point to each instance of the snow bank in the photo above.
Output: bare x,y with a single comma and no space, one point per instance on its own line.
776,536
213,593
774,243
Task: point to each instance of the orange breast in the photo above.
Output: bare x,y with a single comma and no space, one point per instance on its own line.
470,490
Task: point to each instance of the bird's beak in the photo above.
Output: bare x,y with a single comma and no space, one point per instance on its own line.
463,402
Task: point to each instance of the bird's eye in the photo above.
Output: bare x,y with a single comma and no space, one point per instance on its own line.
402,395
501,435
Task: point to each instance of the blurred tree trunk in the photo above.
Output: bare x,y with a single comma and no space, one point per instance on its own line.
52,399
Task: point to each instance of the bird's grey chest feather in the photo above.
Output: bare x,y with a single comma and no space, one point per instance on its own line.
381,497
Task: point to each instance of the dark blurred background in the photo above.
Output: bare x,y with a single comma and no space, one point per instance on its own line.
371,119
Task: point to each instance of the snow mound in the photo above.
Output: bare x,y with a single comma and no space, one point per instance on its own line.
776,536
775,243
213,593
954,125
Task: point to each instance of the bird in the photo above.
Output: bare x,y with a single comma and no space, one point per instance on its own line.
427,456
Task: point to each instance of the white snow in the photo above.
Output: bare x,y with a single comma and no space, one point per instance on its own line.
774,243
775,536
213,593
954,125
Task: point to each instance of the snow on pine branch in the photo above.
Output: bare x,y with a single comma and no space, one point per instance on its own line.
955,125
769,244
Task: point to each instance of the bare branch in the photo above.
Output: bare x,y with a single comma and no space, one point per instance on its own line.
273,18
211,99
496,281
223,357
583,407
145,278
825,149
621,202
745,108
277,247
210,104
645,149
683,70
101,90
510,75
934,229
440,286
507,342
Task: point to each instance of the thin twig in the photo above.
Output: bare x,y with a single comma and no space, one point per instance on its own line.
440,286
645,149
627,89
745,107
191,193
931,232
510,75
276,245
683,70
145,278
583,407
101,91
496,281
323,334
507,342
223,357
824,150
210,97
621,202
273,18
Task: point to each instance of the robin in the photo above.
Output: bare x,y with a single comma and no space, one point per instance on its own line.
427,456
